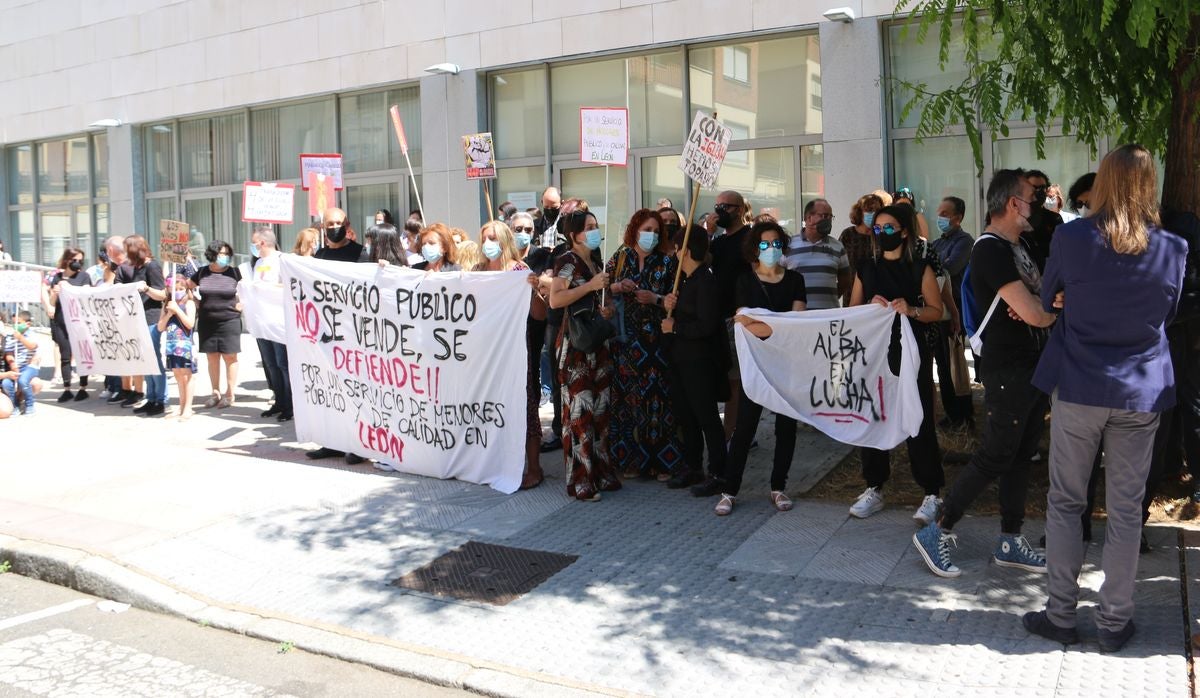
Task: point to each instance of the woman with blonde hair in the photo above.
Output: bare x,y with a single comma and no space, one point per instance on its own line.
1108,366
499,249
306,242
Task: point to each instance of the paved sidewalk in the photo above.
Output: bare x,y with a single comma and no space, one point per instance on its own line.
664,598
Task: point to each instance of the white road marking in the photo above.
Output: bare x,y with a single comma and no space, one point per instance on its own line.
44,613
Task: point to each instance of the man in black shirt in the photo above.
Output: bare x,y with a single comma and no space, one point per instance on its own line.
729,263
1042,220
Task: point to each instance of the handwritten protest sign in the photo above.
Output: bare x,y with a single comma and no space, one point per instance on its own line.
604,135
320,193
263,309
705,149
20,286
328,164
267,202
401,366
173,241
830,369
480,156
108,331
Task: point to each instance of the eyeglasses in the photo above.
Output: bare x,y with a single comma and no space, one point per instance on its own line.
334,224
886,229
523,229
726,207
764,244
823,216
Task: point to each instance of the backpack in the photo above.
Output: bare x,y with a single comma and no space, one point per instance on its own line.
973,321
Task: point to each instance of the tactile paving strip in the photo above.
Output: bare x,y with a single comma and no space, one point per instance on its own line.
494,574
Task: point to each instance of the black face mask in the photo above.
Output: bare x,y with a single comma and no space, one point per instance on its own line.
725,219
336,233
550,214
887,243
75,265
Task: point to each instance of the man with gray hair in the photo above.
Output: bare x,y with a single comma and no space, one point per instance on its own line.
265,270
104,272
1002,275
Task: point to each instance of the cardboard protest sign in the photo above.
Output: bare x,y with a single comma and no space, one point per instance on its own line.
705,149
267,202
328,164
263,309
108,331
401,366
173,241
480,156
604,135
320,194
829,368
20,286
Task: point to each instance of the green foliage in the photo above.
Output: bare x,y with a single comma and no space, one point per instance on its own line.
1099,69
5,567
285,647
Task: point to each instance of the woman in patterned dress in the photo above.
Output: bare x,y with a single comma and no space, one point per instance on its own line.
585,377
644,440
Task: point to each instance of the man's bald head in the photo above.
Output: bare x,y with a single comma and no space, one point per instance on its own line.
551,198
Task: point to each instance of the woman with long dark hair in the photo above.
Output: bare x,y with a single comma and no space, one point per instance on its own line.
70,271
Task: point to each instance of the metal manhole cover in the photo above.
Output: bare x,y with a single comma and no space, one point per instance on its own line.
493,574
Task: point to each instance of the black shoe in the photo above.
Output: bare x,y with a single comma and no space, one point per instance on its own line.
711,486
1038,623
132,398
684,478
285,416
323,452
271,411
117,397
153,409
551,445
352,459
81,395
66,396
1145,547
1114,640
144,408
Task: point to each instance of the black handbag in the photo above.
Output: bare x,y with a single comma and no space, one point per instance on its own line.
587,328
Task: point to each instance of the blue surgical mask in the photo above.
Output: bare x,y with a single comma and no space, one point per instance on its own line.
770,256
523,240
647,240
432,252
943,224
222,260
253,250
491,249
868,218
593,238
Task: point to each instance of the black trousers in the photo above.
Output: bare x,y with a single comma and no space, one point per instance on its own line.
924,454
1015,417
749,413
694,403
60,337
957,407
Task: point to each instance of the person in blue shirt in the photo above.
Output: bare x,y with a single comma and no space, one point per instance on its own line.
1108,366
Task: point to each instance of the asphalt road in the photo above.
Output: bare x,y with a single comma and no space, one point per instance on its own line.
56,641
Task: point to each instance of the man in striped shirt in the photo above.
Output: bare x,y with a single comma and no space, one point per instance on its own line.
820,258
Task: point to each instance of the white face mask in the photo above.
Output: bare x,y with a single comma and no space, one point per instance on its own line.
1051,203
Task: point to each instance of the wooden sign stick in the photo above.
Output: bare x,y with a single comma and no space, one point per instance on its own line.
687,233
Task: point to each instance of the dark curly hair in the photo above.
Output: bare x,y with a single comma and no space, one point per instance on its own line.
762,224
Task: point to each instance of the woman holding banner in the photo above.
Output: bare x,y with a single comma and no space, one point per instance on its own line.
219,320
901,279
644,438
585,376
147,274
388,247
438,249
70,271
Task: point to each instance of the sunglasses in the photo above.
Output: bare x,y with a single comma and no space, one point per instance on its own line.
764,244
726,207
523,229
887,229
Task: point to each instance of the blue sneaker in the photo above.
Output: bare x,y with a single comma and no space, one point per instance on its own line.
1015,551
934,545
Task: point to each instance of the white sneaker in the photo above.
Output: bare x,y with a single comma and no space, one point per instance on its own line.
105,394
869,502
140,403
927,512
382,466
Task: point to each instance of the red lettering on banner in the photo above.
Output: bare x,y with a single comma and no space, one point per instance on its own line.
381,440
308,321
387,371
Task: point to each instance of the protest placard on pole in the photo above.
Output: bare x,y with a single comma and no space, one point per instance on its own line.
320,194
173,239
398,125
480,156
328,164
703,155
604,135
267,202
108,331
398,365
20,286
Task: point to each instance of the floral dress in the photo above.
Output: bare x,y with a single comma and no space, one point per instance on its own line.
585,380
644,436
179,348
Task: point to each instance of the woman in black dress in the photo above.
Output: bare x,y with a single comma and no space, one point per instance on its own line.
219,319
70,271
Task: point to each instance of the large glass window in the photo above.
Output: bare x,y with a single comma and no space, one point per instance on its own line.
281,134
20,174
368,137
63,170
519,113
158,152
768,182
918,63
651,87
213,151
937,168
22,229
364,200
157,210
588,183
522,185
56,234
100,165
765,86
1066,159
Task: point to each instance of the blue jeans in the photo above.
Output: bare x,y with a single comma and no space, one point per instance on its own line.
25,376
156,385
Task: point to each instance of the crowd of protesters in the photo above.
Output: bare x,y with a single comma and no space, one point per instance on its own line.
1090,315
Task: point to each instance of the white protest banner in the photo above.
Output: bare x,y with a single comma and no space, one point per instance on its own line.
263,309
604,135
328,164
829,368
173,241
705,149
480,156
20,286
267,202
108,331
411,369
